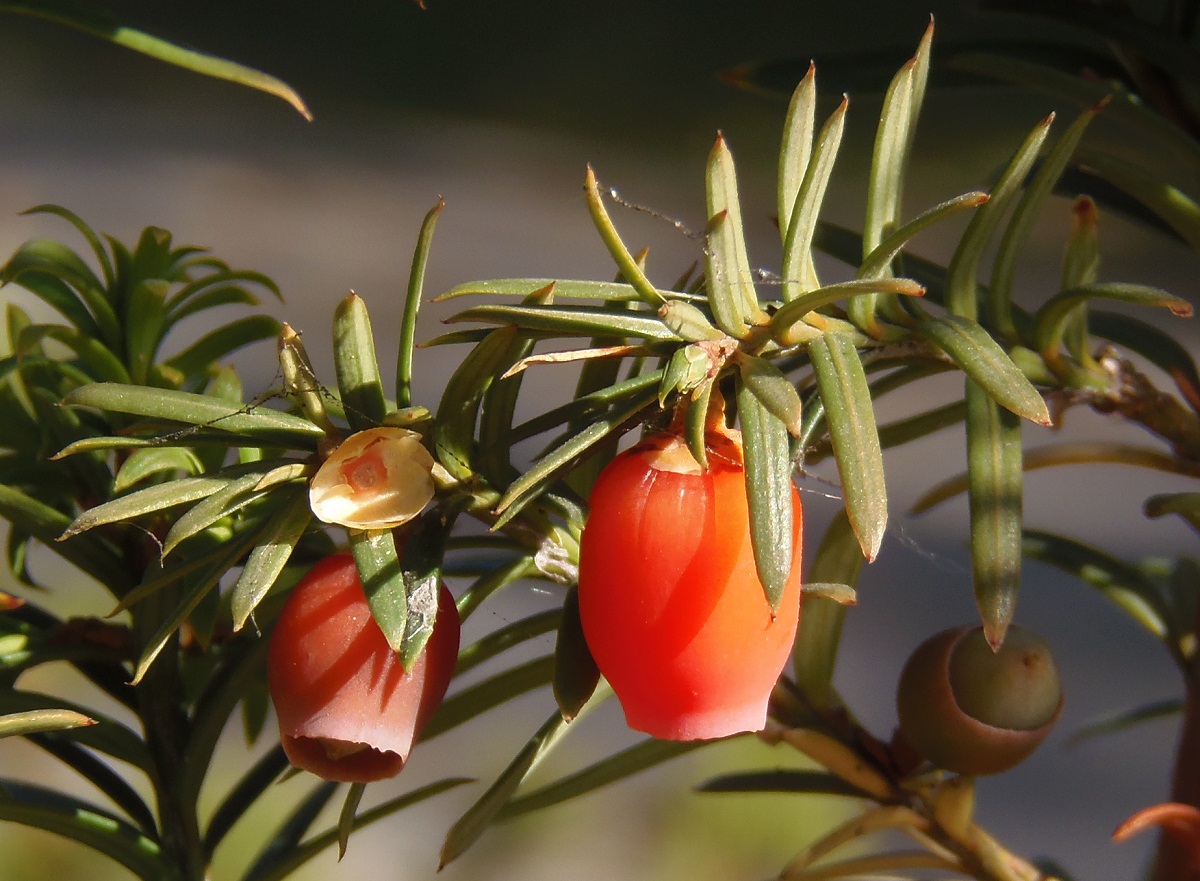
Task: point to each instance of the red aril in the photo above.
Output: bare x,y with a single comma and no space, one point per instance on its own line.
671,603
348,710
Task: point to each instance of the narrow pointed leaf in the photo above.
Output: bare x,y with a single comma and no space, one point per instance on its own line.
572,321
491,693
498,407
889,161
1124,585
769,493
1186,505
893,139
89,474
99,25
1081,266
687,321
962,282
846,245
483,812
686,369
785,321
731,291
383,582
995,477
144,326
100,774
983,360
886,180
494,642
212,298
773,390
495,578
796,146
208,65
814,656
564,289
878,261
526,487
347,816
42,808
1029,208
297,856
1084,453
57,294
412,306
147,501
196,590
598,374
626,262
696,423
85,230
201,410
575,672
780,780
300,382
583,408
842,383
1051,320
458,412
255,709
1124,719
99,360
234,496
249,788
72,284
838,592
181,303
108,735
357,370
198,439
640,757
281,847
92,555
920,425
1081,256
799,272
151,461
1179,211
35,721
275,544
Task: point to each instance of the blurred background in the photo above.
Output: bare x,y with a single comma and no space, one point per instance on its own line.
497,107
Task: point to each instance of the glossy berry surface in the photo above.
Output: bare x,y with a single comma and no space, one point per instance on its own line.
347,709
670,601
973,711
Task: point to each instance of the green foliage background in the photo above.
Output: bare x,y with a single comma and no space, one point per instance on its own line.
490,105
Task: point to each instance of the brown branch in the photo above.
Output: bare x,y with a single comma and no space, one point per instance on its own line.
1134,397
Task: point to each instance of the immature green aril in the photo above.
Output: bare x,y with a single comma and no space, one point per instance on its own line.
973,711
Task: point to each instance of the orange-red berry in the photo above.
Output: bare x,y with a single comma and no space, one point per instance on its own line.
671,603
347,709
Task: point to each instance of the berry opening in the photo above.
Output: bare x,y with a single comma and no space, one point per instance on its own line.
366,471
